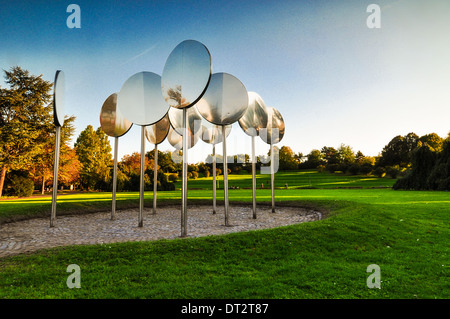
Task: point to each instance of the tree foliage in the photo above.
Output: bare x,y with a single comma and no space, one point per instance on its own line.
430,165
24,114
287,159
94,153
399,150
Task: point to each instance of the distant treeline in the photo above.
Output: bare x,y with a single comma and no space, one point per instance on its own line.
27,150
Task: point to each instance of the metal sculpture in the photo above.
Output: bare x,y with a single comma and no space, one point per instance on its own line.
114,124
212,134
224,102
254,119
156,134
184,80
140,100
273,134
58,117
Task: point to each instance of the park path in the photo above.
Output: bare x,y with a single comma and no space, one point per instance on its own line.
31,235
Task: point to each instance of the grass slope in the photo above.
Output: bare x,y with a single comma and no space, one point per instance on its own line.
405,233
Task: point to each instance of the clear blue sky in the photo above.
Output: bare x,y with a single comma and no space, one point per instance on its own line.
333,79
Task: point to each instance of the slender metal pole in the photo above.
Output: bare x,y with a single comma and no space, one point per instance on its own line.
141,183
214,179
184,187
116,151
272,178
155,178
253,177
225,175
55,175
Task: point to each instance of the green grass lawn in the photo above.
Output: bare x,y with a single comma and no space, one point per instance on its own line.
301,179
406,233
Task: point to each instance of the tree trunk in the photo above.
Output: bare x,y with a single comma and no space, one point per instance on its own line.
2,179
43,184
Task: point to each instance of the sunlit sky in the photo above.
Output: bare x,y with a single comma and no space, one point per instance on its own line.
333,79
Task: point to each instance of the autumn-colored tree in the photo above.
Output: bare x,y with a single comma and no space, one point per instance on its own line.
287,159
70,167
130,171
42,169
131,164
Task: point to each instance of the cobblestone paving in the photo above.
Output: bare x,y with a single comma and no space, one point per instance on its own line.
31,235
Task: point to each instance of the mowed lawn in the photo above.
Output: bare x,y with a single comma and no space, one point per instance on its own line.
405,233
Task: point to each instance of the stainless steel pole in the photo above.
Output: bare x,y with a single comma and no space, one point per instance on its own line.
214,179
253,177
116,151
141,184
55,175
155,178
225,175
184,187
272,178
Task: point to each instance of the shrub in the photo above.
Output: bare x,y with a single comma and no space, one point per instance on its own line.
320,168
22,186
365,169
172,177
332,167
354,169
380,171
393,171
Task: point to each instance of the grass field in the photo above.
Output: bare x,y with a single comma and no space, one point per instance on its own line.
406,233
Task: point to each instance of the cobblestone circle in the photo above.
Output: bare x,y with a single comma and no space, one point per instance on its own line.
31,235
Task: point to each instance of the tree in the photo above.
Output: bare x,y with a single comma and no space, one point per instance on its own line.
70,167
430,167
165,161
399,151
432,140
313,160
359,157
424,159
42,169
439,178
94,153
23,114
346,157
130,166
330,155
287,159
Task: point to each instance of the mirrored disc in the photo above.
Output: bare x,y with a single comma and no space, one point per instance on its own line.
212,133
225,100
156,133
255,117
140,99
176,140
59,89
112,121
176,120
186,74
274,131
